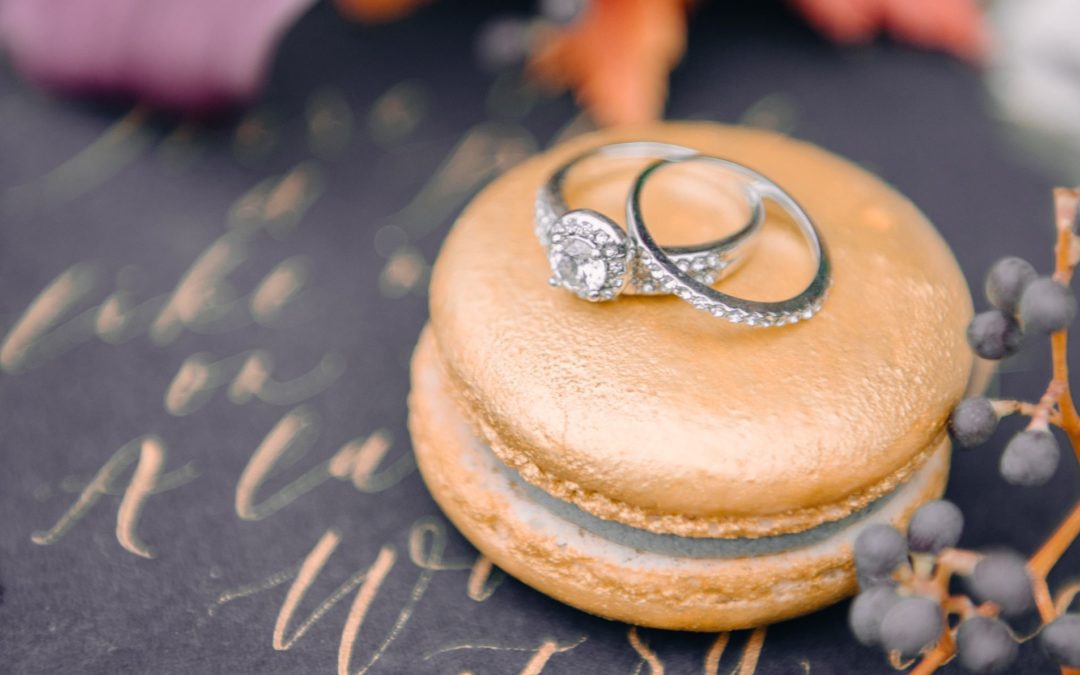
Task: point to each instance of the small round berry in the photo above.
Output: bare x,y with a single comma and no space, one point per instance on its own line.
984,645
1060,639
935,525
1030,458
502,42
973,421
879,549
911,625
867,610
1047,306
1002,578
994,335
1006,281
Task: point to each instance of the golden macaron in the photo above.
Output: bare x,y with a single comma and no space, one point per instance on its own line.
647,462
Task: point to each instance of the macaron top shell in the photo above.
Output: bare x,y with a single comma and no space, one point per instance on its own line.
646,411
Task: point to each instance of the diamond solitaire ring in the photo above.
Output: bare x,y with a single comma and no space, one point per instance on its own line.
593,257
669,275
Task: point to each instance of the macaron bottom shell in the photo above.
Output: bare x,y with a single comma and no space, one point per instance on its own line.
602,575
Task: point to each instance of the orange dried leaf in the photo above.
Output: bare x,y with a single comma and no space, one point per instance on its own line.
616,57
378,11
955,26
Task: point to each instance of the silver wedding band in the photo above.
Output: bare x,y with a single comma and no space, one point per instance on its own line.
593,257
800,307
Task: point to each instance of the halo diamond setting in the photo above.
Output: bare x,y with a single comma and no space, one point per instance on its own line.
589,255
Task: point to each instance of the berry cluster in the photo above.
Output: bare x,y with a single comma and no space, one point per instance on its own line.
1025,304
900,608
904,606
907,604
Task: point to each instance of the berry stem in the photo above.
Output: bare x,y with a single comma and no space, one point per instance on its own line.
1040,414
1058,395
1066,596
1047,556
936,657
1070,420
1043,601
1065,258
1005,407
954,561
1066,255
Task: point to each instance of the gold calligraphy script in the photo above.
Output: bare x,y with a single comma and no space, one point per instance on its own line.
80,305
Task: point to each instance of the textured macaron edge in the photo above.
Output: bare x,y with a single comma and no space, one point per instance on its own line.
477,416
649,589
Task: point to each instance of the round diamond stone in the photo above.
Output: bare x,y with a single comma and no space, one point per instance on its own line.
578,266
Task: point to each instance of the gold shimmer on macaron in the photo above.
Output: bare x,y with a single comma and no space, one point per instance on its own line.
643,412
645,462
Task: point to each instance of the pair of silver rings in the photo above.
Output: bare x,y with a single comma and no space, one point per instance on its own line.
594,258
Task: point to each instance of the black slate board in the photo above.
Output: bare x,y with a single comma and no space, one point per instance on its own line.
132,201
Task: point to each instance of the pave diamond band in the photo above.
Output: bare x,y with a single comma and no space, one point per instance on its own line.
593,257
666,271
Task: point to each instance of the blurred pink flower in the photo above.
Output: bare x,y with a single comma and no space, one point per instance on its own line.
194,55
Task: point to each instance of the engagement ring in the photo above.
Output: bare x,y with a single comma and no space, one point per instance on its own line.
592,256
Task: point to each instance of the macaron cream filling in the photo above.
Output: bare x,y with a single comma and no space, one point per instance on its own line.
564,518
690,547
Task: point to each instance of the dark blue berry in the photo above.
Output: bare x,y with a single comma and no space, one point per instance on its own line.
867,611
935,525
1006,281
1060,639
985,645
1003,578
1030,458
879,549
973,421
911,626
994,335
1047,306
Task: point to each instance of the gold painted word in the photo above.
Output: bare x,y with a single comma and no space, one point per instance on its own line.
426,546
147,479
539,658
747,665
199,377
293,435
203,299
